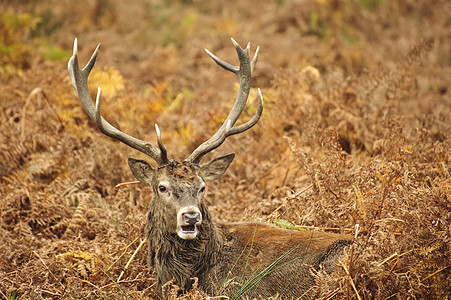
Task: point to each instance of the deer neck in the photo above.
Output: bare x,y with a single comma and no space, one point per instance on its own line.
175,258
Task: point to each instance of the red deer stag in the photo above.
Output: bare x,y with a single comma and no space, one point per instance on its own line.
233,259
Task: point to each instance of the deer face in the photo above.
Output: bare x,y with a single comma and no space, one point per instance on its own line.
178,188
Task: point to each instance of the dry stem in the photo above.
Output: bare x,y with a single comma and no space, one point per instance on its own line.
131,258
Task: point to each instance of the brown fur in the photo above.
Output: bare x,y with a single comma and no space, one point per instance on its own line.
225,256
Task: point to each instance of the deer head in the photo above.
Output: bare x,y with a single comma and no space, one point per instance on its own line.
176,186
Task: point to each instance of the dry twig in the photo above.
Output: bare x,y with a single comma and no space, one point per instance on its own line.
131,258
350,280
51,273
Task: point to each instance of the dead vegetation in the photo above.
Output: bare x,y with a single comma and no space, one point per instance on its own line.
355,136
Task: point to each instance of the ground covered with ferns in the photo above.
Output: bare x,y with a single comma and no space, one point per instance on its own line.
355,137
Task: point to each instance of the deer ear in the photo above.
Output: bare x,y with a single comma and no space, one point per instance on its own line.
216,168
141,170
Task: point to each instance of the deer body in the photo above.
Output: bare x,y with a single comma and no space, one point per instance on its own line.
233,259
225,257
235,254
277,261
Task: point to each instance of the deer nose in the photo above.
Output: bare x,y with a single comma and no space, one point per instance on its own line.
191,218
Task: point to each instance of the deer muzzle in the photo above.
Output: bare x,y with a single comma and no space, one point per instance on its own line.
188,218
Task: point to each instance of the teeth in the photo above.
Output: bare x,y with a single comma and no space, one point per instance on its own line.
188,228
187,232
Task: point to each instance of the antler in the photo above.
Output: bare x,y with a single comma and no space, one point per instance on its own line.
244,73
80,83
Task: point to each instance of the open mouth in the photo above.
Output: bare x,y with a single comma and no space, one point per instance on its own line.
188,219
188,229
187,232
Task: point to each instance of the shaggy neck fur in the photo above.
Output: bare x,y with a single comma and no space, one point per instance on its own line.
175,258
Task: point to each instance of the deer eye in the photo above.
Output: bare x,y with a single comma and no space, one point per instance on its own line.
202,190
162,188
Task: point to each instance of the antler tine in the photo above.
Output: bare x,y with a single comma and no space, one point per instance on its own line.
79,79
254,60
244,73
222,63
164,153
251,122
